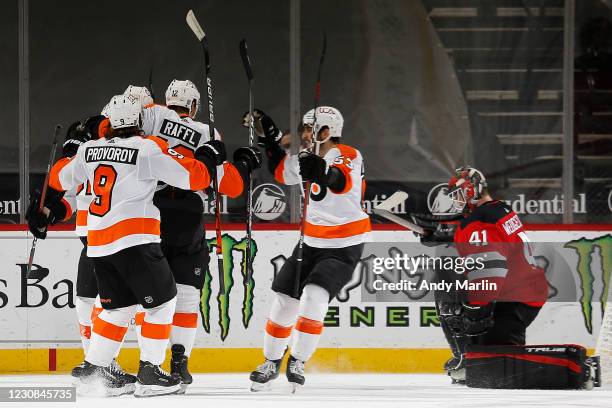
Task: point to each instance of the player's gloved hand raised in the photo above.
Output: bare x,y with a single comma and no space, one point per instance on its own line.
477,319
250,156
212,154
266,130
312,168
37,221
76,135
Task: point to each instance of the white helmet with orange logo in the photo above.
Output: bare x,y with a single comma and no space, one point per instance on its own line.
326,116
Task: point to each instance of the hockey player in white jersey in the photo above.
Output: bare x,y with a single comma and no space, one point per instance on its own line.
182,231
60,207
123,238
335,229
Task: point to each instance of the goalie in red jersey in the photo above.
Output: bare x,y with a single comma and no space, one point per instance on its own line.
486,322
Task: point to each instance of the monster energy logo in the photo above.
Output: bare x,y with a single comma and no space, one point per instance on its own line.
231,248
586,250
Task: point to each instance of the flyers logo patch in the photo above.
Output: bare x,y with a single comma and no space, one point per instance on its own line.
176,154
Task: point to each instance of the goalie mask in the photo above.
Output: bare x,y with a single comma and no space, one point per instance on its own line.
326,116
124,111
465,188
141,93
183,93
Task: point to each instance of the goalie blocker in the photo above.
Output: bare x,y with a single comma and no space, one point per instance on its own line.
559,366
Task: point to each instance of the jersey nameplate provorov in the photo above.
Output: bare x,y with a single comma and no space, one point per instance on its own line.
179,131
113,154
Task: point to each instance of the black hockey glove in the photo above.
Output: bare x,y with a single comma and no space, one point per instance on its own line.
39,221
477,319
212,154
312,168
266,130
92,124
250,156
75,136
439,235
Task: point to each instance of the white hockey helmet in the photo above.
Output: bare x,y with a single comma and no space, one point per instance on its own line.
141,93
105,110
124,111
182,93
325,116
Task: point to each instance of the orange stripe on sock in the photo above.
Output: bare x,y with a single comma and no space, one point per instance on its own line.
139,318
85,331
155,331
187,320
309,326
95,312
109,330
278,331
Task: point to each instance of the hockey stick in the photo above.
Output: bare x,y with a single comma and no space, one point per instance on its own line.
244,54
151,90
43,195
195,26
384,210
300,249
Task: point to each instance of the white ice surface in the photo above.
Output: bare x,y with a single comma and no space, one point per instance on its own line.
328,390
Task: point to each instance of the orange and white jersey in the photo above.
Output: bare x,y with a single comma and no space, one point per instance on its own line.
69,201
123,174
83,199
335,219
185,135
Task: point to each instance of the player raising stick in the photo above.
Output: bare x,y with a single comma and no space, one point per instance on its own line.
336,227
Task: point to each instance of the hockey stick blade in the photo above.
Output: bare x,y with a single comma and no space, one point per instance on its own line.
195,26
384,210
245,59
396,199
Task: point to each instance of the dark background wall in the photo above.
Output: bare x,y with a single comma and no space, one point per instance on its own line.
423,85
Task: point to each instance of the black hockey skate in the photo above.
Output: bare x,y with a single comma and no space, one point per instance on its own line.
77,372
452,363
108,381
152,381
178,366
592,370
455,368
295,373
264,374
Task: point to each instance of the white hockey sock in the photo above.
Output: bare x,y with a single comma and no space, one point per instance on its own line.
282,316
313,307
155,331
185,320
84,306
108,331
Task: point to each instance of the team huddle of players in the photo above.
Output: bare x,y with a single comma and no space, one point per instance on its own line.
137,175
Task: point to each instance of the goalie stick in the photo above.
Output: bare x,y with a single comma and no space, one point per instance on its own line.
195,26
43,195
244,54
300,250
384,210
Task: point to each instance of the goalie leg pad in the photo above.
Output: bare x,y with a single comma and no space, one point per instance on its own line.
564,366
